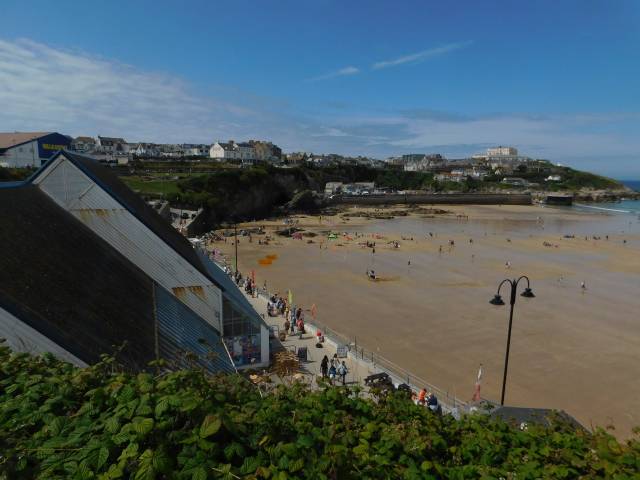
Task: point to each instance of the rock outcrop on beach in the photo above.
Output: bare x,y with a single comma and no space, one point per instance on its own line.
590,195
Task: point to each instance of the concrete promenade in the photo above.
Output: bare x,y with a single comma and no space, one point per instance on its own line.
359,367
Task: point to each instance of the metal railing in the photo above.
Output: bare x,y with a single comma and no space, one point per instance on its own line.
381,363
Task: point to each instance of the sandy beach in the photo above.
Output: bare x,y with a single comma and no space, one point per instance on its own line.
572,348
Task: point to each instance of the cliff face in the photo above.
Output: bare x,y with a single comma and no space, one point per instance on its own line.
243,195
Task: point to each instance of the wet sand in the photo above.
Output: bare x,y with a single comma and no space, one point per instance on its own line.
571,349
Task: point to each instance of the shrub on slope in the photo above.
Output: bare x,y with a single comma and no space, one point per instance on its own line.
58,421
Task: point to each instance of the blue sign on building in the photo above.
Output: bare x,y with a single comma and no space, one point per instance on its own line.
50,144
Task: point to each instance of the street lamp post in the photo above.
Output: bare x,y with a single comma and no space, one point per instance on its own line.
235,241
497,300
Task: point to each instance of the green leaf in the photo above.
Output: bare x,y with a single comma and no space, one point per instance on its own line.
142,426
199,474
103,456
130,452
145,466
210,425
112,425
161,407
250,465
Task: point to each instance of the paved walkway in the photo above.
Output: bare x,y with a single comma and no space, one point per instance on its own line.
359,368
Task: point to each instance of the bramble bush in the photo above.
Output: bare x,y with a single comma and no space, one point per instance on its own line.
59,421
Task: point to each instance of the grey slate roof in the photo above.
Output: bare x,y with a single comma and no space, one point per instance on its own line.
61,279
64,281
108,180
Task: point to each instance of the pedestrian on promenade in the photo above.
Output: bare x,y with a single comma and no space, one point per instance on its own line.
324,366
422,396
332,373
287,325
342,371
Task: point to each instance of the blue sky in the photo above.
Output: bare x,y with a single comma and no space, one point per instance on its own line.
558,79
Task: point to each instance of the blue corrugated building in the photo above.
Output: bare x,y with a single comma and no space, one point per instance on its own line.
30,149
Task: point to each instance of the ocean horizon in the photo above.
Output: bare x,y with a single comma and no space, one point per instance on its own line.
633,184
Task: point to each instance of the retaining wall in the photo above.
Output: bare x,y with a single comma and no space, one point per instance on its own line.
435,199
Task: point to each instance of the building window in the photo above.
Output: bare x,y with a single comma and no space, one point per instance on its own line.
241,335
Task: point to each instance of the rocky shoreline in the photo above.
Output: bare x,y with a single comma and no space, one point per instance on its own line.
595,196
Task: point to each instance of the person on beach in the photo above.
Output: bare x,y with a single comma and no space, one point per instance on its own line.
324,366
507,265
583,286
342,371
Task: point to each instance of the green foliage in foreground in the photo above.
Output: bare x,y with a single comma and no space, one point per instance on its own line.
57,421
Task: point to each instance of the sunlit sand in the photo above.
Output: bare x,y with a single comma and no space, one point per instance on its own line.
572,348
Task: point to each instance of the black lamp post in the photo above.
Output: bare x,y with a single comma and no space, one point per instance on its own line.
497,300
235,241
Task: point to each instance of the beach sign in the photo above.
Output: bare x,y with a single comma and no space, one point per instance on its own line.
341,351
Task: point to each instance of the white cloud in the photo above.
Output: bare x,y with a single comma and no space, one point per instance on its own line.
421,56
346,71
43,88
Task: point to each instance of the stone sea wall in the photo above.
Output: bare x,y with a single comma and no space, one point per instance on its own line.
435,199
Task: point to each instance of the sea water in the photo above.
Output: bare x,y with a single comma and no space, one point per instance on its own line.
625,206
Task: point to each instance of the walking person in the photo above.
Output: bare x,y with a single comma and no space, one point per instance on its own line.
324,366
332,374
287,326
342,371
334,360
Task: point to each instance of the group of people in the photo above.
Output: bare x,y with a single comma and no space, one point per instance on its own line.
333,368
427,399
294,321
276,305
